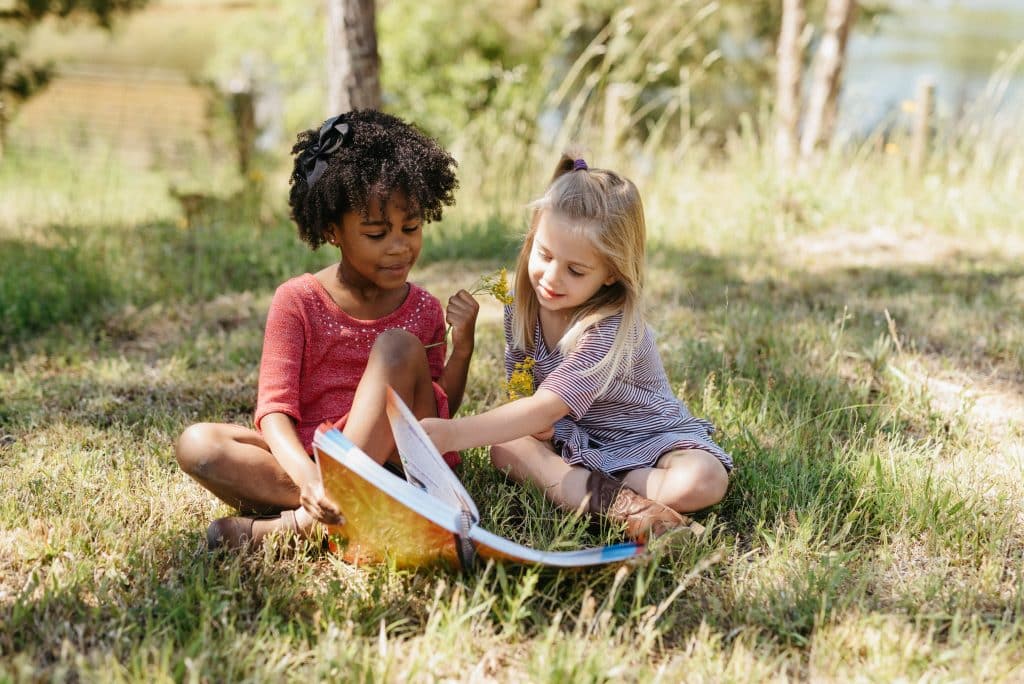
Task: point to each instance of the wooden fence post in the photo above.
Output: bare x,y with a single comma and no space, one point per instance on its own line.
243,111
922,125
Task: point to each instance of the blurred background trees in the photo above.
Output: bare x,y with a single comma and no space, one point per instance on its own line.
21,78
677,68
512,79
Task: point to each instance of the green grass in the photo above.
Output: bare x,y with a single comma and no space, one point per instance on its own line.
856,335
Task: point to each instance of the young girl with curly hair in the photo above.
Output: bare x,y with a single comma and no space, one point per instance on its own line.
366,183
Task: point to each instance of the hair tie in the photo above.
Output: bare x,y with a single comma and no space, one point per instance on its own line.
333,134
579,165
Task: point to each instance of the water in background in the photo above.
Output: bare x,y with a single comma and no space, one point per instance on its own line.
958,44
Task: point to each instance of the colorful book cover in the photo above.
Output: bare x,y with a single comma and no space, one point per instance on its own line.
428,518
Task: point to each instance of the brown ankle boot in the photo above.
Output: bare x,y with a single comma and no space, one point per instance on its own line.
236,531
644,519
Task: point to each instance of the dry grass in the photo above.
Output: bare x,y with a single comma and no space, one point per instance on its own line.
864,366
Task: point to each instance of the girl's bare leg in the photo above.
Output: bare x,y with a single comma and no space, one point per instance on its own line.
530,460
397,359
685,480
235,464
575,488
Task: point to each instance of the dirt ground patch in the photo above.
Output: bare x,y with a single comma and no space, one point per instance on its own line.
889,246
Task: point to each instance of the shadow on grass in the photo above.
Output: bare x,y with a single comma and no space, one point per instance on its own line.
136,406
940,307
167,602
167,591
42,286
803,437
821,439
90,273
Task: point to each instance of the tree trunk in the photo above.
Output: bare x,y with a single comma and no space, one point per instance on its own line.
353,65
789,67
3,126
828,72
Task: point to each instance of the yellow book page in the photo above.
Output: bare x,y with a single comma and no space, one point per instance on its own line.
378,527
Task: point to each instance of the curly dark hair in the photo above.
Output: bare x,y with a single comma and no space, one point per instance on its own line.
381,154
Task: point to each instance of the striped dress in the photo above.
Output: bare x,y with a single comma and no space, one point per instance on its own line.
633,423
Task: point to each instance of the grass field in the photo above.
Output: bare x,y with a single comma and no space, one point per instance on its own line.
856,335
855,332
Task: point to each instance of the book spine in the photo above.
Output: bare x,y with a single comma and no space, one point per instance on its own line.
464,546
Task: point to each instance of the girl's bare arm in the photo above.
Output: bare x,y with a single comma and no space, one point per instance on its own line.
526,416
461,315
279,431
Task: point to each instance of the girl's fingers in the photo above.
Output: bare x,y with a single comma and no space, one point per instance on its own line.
328,517
314,501
462,312
332,518
463,299
461,307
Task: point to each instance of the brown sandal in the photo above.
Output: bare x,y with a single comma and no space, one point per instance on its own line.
236,531
644,519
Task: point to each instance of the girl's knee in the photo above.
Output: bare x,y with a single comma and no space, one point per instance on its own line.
397,348
197,446
699,482
711,488
397,340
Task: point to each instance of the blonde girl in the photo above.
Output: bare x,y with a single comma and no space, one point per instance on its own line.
603,430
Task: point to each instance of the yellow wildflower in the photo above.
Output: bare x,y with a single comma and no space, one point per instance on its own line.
520,383
495,285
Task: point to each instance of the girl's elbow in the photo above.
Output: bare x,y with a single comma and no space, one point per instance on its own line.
550,407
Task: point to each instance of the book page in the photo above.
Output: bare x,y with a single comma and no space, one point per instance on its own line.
385,517
390,520
423,464
492,546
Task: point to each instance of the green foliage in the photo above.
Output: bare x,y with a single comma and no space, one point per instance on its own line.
283,49
100,11
443,64
42,286
489,239
20,79
854,336
690,67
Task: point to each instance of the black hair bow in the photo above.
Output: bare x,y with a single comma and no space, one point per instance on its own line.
333,134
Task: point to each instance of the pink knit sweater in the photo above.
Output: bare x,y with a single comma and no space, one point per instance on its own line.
314,353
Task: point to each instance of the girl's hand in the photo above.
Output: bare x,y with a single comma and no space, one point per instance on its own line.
461,316
544,435
318,506
439,430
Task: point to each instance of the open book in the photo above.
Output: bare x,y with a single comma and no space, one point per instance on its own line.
426,518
